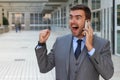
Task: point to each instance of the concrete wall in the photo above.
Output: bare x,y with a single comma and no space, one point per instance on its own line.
27,21
1,15
4,29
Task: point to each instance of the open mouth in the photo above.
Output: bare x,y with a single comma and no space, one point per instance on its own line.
75,28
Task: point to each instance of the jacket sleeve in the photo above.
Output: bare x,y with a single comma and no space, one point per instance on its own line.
101,60
45,61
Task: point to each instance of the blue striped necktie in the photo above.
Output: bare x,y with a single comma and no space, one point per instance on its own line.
78,49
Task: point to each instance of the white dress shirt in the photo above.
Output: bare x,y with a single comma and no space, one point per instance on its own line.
82,45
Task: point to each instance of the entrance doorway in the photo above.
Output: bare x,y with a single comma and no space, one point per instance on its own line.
18,18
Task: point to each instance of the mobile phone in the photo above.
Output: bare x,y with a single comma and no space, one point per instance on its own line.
86,23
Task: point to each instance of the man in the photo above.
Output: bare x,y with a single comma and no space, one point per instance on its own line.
85,60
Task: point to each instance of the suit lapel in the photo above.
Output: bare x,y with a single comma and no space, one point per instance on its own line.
68,43
83,55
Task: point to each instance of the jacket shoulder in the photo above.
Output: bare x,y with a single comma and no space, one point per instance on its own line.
100,42
99,39
65,37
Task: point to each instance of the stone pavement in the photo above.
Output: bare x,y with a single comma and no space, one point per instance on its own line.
18,59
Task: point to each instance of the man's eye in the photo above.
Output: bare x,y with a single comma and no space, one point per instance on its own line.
78,18
70,17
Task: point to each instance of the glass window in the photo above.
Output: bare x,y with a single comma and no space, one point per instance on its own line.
111,17
75,1
40,18
63,17
85,2
22,18
118,41
95,4
3,14
108,24
118,15
13,18
58,18
36,18
31,18
55,14
52,19
96,21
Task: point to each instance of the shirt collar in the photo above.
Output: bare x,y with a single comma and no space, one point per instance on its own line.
75,39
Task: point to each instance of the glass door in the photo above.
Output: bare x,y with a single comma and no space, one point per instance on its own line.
96,22
117,46
18,18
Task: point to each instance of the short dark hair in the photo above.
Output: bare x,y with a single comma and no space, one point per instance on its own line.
85,8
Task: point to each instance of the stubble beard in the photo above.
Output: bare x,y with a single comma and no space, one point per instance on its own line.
78,35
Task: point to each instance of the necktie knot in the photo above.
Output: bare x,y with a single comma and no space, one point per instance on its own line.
78,49
79,41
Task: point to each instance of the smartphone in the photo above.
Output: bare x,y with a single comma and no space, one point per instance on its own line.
86,23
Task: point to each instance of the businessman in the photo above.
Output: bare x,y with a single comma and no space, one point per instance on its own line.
77,56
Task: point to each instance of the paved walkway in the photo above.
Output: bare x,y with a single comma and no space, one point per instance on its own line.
18,59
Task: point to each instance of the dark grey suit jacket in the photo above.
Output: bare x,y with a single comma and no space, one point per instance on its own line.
90,66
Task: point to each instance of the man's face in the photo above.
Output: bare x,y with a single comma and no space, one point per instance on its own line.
77,22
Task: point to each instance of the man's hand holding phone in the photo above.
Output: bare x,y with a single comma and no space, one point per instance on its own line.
88,32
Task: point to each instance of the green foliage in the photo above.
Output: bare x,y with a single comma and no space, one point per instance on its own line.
5,21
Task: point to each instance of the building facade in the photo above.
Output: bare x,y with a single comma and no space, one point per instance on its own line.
102,17
105,16
117,26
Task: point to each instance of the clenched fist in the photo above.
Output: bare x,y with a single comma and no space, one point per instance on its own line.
43,36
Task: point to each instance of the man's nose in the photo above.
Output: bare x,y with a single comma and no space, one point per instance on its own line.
73,20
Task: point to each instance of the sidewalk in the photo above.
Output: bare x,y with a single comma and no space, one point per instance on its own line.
18,59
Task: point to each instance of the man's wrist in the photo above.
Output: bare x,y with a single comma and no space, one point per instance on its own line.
41,44
90,48
91,52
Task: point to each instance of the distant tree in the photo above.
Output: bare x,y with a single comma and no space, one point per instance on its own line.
5,21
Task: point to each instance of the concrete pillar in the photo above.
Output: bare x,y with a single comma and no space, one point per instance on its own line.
67,16
60,16
90,4
27,21
1,20
80,1
10,20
